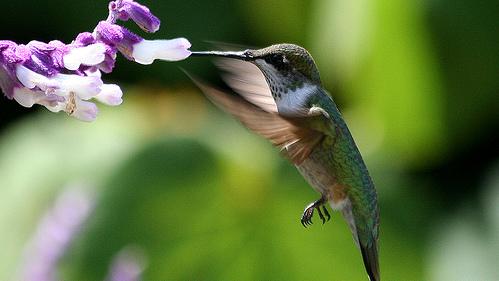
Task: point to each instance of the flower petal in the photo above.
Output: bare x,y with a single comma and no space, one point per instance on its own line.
41,59
8,80
140,14
85,110
89,55
93,72
84,39
110,94
26,97
146,51
31,79
85,87
115,35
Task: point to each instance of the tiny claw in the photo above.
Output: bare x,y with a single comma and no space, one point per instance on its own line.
326,213
321,215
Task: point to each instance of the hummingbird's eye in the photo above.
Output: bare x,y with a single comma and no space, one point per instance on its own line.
276,60
248,54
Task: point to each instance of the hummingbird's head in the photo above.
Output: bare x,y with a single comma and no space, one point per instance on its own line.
285,61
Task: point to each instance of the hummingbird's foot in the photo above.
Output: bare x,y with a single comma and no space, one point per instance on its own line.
306,218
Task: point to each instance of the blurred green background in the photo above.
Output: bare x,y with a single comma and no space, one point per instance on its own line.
204,199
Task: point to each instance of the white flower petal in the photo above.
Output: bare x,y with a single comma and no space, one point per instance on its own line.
110,94
89,55
55,108
85,110
31,79
146,51
25,96
85,87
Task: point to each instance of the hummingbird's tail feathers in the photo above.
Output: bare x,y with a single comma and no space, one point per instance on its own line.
370,258
364,238
296,142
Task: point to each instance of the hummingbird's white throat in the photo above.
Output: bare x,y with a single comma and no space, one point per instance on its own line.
289,102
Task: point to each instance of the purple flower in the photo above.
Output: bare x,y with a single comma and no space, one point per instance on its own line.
138,49
54,233
64,77
126,9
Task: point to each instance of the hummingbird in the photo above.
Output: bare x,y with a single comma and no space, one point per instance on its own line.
280,96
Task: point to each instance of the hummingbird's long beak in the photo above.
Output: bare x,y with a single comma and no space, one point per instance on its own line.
243,55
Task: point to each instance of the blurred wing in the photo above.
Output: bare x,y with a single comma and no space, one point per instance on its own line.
294,141
248,81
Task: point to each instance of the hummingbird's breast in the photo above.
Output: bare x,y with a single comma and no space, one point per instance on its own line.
318,171
292,102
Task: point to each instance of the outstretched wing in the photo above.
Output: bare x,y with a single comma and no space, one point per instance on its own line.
248,81
294,140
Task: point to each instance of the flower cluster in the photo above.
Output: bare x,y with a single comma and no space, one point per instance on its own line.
64,77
